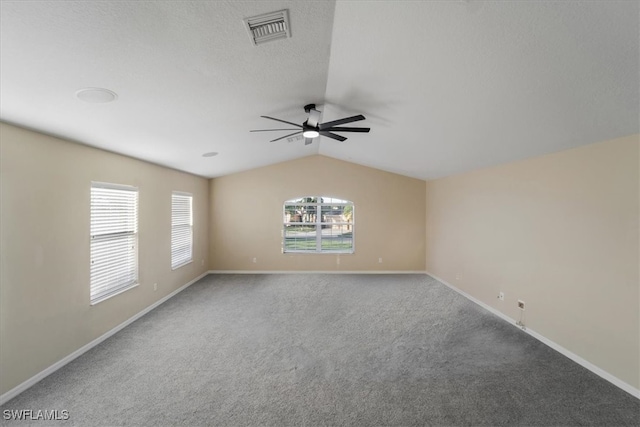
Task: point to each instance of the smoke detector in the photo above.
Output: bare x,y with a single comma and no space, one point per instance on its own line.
96,95
268,27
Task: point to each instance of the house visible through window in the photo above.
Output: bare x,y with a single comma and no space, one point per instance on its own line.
318,224
114,240
181,229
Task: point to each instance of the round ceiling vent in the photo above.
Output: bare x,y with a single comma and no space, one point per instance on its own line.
96,95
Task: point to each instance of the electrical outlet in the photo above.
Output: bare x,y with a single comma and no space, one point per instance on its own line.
501,296
521,305
155,286
338,260
255,260
379,260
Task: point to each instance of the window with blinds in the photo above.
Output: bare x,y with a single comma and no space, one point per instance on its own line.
114,240
181,229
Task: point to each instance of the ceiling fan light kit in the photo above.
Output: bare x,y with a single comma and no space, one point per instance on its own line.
312,128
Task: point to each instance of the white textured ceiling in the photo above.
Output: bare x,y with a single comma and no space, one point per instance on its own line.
446,86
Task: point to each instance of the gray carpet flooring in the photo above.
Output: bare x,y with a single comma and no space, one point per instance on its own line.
311,350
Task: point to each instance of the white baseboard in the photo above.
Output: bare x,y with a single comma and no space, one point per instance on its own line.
557,347
314,272
60,363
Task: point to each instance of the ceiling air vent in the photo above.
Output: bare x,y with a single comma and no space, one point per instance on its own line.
295,138
268,27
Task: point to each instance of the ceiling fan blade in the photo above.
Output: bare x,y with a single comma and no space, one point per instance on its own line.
283,121
332,135
286,136
341,121
308,141
269,130
347,129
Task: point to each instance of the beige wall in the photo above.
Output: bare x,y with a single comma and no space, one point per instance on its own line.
559,232
246,216
44,279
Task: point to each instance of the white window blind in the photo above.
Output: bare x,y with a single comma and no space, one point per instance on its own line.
181,229
114,239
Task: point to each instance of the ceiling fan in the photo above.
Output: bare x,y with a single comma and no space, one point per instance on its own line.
312,128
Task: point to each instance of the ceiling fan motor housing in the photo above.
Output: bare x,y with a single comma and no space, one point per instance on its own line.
306,126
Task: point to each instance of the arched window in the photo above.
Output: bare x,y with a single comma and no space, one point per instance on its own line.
318,224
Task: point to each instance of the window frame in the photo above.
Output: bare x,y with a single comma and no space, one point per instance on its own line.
113,288
318,223
190,260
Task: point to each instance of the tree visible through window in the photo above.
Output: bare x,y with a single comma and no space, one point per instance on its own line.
318,224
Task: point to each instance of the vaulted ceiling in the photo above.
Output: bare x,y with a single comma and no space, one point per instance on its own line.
445,86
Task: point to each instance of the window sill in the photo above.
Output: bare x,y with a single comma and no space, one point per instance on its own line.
182,265
319,253
99,300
